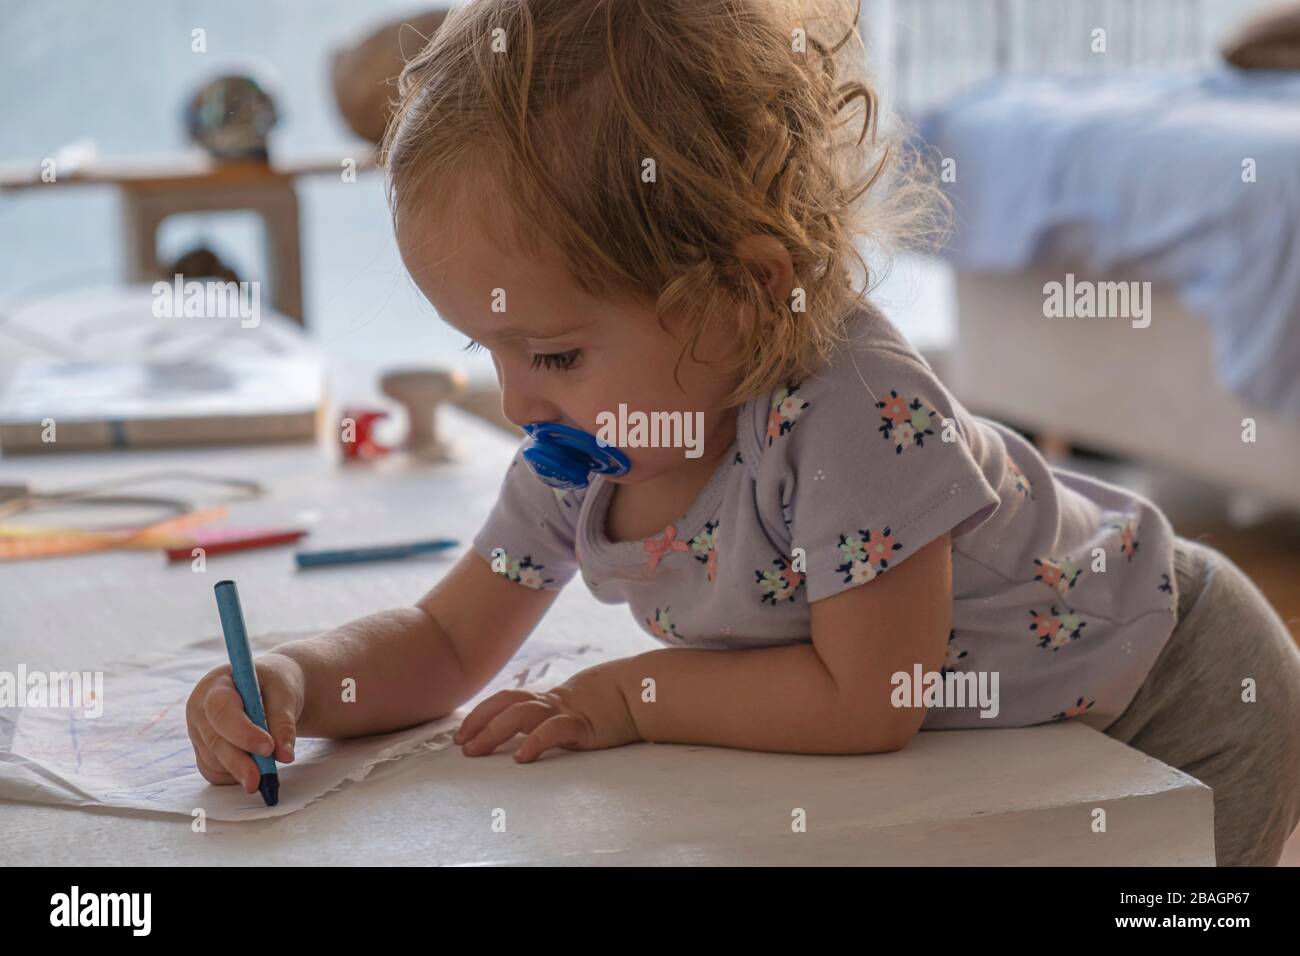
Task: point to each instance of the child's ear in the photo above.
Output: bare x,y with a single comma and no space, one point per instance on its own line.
769,260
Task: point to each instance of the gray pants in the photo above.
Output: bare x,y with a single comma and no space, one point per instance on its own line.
1189,712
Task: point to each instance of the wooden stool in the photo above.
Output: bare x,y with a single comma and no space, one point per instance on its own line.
152,190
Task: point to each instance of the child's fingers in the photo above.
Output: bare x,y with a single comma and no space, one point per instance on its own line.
519,718
560,730
212,773
237,763
224,709
280,719
487,710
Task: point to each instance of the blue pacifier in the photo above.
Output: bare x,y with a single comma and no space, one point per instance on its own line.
565,457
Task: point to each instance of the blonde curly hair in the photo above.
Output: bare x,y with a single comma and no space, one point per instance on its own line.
748,110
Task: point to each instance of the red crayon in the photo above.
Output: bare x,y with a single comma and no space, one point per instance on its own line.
216,544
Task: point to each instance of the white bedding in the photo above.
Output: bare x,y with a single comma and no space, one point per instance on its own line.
1147,172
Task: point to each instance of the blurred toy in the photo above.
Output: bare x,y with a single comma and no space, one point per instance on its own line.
230,117
201,263
420,390
364,74
356,434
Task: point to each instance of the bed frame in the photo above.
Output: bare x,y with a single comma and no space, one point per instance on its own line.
1151,394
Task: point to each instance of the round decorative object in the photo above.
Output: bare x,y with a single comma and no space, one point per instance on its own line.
565,457
230,117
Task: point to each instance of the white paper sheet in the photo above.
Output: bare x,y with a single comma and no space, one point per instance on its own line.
137,754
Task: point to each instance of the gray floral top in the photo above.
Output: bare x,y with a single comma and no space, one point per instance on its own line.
1063,585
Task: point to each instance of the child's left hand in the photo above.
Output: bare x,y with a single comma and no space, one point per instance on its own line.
588,712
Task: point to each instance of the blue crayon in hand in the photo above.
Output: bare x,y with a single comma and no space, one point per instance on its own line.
245,676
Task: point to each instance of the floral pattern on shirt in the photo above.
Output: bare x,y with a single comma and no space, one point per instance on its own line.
521,570
779,585
866,554
1167,586
705,548
1079,709
1056,629
952,656
785,411
1022,484
1059,574
662,627
662,545
1127,528
905,423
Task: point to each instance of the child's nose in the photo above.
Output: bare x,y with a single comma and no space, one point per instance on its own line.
521,404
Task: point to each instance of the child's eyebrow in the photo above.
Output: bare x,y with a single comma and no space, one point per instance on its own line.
510,331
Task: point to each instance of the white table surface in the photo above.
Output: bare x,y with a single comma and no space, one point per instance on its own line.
967,797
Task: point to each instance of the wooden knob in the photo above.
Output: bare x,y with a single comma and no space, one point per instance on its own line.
419,391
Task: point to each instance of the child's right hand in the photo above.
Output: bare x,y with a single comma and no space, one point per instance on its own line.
221,732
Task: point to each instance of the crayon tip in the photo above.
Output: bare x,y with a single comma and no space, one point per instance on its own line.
269,787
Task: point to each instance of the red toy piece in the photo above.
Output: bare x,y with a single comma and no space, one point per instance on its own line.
356,434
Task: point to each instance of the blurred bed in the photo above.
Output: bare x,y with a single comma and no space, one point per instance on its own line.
1187,179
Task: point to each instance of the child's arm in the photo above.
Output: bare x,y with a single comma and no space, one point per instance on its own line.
415,664
828,697
408,665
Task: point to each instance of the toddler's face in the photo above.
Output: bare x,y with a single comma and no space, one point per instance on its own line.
561,355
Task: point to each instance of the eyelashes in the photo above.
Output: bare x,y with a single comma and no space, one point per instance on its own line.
563,361
558,361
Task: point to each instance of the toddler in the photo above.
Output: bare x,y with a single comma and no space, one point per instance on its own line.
651,209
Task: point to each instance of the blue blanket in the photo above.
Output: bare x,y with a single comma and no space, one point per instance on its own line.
1145,171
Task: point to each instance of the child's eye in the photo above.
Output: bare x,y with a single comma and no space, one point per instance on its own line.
558,360
471,346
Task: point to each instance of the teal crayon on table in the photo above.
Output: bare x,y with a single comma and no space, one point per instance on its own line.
386,552
245,677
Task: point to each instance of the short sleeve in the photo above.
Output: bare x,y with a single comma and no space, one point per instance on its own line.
529,534
874,460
